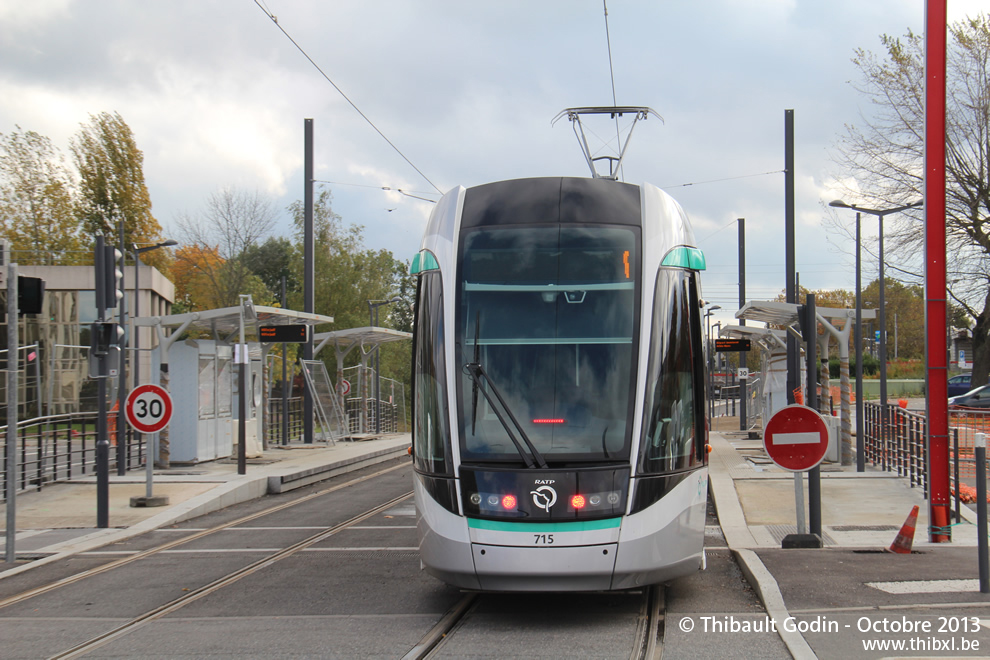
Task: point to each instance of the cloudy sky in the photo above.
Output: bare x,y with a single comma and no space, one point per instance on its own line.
216,94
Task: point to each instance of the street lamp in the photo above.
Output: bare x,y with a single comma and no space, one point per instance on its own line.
136,252
373,306
881,322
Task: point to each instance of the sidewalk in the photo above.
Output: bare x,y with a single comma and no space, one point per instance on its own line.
61,519
861,515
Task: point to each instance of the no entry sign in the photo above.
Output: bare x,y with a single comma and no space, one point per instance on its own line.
796,438
148,408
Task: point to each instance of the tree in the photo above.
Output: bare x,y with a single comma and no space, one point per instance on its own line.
270,261
112,188
37,206
881,161
232,223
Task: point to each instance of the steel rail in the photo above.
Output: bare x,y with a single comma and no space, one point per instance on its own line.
117,563
180,602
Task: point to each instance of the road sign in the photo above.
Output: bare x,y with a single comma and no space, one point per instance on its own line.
345,387
796,438
148,408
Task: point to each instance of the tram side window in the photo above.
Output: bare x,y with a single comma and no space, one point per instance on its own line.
671,424
431,444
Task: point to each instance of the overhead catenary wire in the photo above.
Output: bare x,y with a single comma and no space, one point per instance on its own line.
274,19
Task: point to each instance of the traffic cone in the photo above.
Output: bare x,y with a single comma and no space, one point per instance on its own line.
905,537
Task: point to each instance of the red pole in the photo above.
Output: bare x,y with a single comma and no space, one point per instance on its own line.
935,281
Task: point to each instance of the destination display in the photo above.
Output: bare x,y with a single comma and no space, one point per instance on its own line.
298,334
725,345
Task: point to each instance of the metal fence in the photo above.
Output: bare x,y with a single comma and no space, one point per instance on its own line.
898,444
61,447
294,414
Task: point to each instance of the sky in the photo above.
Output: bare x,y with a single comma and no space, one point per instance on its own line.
216,94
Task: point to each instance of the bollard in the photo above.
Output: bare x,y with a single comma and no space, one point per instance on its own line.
981,510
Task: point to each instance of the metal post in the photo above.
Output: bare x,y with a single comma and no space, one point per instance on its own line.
122,367
12,356
743,420
102,443
242,364
285,391
811,355
790,268
981,511
309,261
860,437
936,305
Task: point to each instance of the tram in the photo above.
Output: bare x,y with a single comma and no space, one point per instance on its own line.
560,438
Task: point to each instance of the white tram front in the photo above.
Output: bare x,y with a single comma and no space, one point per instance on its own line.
560,439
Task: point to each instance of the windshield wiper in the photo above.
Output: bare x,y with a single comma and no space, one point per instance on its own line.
477,373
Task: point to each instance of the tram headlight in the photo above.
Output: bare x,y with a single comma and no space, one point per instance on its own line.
493,500
476,498
612,498
595,500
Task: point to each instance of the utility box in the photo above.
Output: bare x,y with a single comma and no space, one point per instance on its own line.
203,383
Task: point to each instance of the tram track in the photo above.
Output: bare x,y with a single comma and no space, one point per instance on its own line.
130,626
647,643
143,554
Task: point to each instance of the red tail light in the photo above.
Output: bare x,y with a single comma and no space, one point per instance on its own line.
549,420
578,501
509,502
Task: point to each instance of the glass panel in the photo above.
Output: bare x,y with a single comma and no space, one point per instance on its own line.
207,408
549,313
431,436
225,379
673,423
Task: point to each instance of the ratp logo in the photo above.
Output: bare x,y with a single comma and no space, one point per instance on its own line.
544,497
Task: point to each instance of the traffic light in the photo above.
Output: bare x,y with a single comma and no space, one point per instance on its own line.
105,340
30,294
113,276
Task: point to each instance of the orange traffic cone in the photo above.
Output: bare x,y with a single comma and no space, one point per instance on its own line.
905,537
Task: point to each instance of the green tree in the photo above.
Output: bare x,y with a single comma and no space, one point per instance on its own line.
270,261
112,187
37,208
882,161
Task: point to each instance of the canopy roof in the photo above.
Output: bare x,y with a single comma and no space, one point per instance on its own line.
226,321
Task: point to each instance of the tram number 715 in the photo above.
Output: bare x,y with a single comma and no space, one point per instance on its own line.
543,539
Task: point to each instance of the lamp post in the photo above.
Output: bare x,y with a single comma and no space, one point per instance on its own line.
711,357
373,306
881,322
136,252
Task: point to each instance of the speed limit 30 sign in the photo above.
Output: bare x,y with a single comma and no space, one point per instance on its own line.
148,408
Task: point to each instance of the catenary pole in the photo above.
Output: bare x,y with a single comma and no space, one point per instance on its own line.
935,281
309,295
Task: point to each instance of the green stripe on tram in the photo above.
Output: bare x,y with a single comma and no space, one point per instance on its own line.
683,256
543,528
423,261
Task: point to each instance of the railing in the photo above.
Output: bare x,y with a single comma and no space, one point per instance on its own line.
294,412
900,445
60,447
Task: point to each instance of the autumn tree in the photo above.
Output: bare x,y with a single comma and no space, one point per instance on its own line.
111,184
232,222
881,162
37,206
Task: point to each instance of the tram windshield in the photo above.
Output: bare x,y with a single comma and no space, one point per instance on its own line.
549,313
